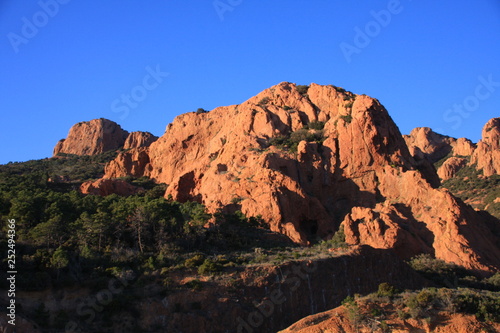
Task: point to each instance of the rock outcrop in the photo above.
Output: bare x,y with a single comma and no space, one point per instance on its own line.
423,142
357,171
92,137
487,154
105,187
450,167
139,140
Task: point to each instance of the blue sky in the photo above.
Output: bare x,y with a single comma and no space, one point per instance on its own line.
431,63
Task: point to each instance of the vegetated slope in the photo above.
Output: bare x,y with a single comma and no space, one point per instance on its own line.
185,268
167,266
429,310
308,159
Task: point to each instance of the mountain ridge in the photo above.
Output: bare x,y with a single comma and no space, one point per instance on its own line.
357,171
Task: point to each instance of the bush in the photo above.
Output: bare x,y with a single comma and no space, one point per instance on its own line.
338,240
347,118
315,125
201,110
437,270
264,101
194,261
494,280
209,267
386,290
302,89
291,141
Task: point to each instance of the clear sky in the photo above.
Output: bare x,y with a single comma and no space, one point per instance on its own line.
431,63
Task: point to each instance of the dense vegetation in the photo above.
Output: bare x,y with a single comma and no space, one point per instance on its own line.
377,309
64,236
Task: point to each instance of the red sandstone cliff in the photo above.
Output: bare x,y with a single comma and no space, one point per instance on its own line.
487,153
101,135
362,174
92,137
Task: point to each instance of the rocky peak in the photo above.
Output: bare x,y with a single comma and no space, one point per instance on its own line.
139,139
487,154
424,142
92,137
491,133
310,158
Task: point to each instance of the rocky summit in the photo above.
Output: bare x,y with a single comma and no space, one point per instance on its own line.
310,160
100,135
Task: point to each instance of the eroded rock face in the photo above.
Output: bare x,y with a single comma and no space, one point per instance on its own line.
108,186
450,167
487,153
362,170
130,163
139,140
423,142
92,137
463,147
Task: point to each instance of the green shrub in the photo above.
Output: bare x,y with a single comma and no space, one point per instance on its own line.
494,280
315,125
264,101
292,141
386,290
194,261
347,118
338,240
209,267
302,89
195,284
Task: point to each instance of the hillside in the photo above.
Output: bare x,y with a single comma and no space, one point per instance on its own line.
252,217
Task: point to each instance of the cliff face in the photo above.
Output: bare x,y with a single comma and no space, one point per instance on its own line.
139,140
92,137
487,153
485,156
98,136
361,174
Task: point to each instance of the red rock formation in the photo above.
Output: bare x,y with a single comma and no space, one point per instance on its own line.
422,141
130,163
487,153
92,137
450,167
139,140
362,174
463,147
108,186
